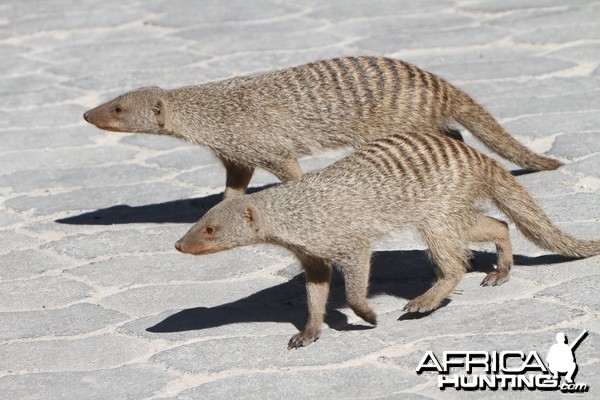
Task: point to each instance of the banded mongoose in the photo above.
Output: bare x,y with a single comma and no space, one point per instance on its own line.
331,217
271,120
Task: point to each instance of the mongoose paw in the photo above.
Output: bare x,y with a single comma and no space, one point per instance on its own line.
421,304
370,316
303,339
495,278
372,319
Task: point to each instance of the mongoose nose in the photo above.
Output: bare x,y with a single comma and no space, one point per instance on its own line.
179,247
86,116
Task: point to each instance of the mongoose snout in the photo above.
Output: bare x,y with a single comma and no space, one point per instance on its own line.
198,248
96,117
189,246
204,239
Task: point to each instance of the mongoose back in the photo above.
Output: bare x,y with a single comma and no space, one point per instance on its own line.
271,120
331,217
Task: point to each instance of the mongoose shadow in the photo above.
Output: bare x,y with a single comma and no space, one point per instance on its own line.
403,274
176,211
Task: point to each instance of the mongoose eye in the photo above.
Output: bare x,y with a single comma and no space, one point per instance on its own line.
210,230
118,110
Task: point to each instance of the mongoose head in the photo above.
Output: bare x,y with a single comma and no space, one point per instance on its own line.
233,222
140,111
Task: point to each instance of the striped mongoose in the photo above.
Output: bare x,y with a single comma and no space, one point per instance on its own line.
271,120
331,217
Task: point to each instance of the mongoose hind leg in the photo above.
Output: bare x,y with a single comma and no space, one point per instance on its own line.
356,279
318,277
238,177
489,229
287,170
453,133
449,254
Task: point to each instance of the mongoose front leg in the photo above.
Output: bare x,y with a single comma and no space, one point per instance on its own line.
356,280
238,177
449,254
489,229
318,277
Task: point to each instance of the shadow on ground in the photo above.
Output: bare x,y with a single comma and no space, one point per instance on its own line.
403,274
176,211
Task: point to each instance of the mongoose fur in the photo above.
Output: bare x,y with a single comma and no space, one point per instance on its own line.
271,120
331,217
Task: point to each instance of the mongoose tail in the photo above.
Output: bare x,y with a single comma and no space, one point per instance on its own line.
513,200
485,128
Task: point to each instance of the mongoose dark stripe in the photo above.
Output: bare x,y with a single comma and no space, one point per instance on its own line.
445,100
384,164
410,95
438,157
271,120
341,106
322,77
393,151
363,83
349,87
410,75
456,153
333,216
425,94
372,160
383,152
432,94
296,81
416,154
390,67
428,152
380,76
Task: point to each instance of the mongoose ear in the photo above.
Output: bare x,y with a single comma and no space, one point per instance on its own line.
252,217
160,112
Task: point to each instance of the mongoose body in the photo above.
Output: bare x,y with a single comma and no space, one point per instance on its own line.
271,120
331,217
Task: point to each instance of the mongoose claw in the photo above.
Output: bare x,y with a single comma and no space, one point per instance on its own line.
495,278
421,304
302,339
